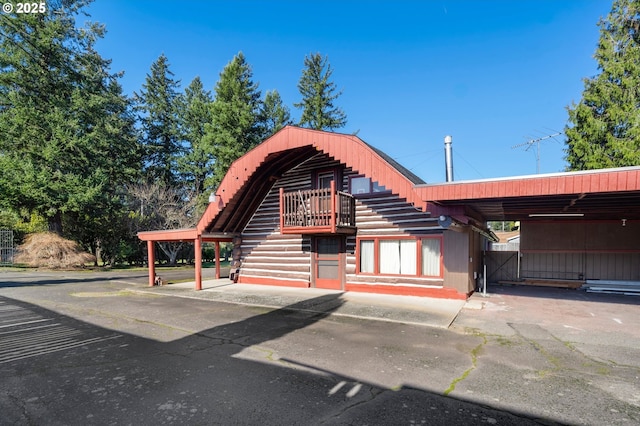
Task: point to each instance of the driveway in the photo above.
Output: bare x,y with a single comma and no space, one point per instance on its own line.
120,353
605,327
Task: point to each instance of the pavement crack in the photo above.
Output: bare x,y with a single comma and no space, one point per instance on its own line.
373,394
559,353
474,362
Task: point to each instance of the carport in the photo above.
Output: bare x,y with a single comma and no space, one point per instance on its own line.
575,226
192,235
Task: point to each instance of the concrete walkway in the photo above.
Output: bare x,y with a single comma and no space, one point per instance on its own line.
427,311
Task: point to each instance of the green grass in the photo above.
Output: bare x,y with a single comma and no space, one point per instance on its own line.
120,267
223,264
14,267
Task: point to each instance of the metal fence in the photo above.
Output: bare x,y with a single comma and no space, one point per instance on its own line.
6,247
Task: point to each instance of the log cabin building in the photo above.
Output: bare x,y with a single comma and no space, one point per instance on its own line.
317,209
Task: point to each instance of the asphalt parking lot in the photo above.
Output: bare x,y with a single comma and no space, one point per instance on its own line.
602,326
121,352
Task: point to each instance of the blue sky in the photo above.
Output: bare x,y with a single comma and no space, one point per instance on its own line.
493,74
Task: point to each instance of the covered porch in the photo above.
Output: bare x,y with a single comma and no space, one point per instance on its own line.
191,235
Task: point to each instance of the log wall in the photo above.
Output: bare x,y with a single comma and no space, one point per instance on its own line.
267,255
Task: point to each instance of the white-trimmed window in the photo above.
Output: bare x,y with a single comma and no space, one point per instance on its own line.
400,256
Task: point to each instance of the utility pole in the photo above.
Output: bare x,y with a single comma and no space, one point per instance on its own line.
536,141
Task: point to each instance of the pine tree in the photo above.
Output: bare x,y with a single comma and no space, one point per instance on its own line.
235,124
318,94
195,115
99,226
161,134
66,135
274,114
604,127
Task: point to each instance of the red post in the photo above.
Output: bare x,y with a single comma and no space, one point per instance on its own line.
281,209
217,260
198,253
151,258
334,195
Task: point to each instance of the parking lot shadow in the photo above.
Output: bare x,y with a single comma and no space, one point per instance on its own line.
57,369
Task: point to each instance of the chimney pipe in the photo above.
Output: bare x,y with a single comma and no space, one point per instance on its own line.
448,158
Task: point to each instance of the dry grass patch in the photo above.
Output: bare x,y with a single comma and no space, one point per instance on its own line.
50,250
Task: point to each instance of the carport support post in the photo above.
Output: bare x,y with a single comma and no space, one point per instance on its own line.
484,278
198,253
518,261
217,260
151,258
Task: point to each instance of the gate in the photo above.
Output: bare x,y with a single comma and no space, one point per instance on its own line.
502,266
6,247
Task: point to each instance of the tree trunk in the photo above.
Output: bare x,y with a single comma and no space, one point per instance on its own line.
97,253
171,250
55,223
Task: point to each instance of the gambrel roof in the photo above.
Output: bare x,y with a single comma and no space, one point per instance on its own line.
251,176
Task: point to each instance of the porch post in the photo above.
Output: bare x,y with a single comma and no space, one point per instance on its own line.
197,243
217,260
281,209
334,196
151,258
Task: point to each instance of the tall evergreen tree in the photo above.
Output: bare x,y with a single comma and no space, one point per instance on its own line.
99,226
161,134
65,134
274,114
195,114
235,124
318,94
604,127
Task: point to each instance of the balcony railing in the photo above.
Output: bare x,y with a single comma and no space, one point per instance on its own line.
317,211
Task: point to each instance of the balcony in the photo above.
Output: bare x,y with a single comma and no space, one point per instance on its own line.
317,211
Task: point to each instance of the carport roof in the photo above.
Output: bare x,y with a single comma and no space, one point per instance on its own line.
593,194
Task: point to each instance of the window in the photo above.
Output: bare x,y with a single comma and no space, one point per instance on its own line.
367,256
324,179
406,256
378,188
398,257
363,185
360,185
431,257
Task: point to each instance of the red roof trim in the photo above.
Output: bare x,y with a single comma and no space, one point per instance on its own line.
584,182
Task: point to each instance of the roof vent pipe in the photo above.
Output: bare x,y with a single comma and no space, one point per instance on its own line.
448,158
